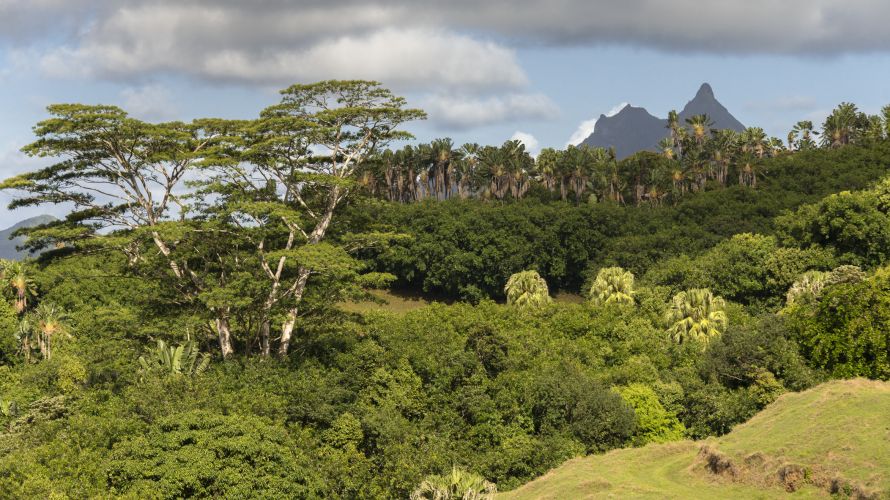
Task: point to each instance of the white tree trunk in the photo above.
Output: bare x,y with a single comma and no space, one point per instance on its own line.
287,329
225,335
299,286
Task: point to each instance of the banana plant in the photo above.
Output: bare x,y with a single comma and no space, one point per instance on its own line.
182,360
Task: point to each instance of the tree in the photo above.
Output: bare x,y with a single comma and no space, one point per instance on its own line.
527,289
654,424
118,173
48,321
807,289
18,277
458,484
885,116
845,125
700,126
294,167
696,314
613,285
847,332
803,134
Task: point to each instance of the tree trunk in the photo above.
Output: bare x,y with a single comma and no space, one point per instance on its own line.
287,328
225,335
265,347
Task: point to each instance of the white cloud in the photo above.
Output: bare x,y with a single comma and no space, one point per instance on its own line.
586,127
149,102
583,131
162,41
815,27
531,143
462,111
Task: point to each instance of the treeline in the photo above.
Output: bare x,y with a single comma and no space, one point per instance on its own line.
692,157
466,250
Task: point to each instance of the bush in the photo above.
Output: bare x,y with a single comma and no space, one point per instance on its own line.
654,424
203,455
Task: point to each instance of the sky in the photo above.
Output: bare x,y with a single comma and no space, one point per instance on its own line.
541,71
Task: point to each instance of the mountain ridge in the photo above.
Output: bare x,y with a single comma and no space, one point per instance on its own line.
634,129
8,244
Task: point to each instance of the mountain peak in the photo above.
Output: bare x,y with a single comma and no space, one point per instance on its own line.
634,129
705,91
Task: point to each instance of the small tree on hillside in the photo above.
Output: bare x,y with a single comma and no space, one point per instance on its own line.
527,289
696,314
613,285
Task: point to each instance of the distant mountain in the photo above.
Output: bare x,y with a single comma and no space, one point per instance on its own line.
7,245
704,103
634,129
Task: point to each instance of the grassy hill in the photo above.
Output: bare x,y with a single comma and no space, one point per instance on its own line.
834,438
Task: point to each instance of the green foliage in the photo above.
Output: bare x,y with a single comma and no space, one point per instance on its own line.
613,285
204,455
853,224
458,483
9,345
527,289
654,424
183,360
847,332
696,315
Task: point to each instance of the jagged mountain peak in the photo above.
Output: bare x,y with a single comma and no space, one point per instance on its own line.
634,129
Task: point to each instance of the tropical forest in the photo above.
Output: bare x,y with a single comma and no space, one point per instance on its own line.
311,303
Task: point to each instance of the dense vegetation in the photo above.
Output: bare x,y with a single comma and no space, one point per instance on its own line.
137,353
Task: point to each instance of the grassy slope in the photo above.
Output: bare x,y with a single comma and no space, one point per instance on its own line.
839,429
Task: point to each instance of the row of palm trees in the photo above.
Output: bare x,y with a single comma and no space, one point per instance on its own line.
39,325
692,156
693,315
439,171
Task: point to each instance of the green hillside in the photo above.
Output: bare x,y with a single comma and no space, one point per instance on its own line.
834,438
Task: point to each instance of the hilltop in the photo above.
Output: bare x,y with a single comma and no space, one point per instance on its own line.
834,438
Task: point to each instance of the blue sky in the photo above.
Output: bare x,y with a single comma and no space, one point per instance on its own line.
484,71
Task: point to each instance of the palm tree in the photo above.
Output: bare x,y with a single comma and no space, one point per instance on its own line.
666,146
459,484
701,126
613,285
885,116
547,164
49,322
754,145
17,276
27,338
875,130
843,126
804,133
724,146
754,140
673,124
527,289
442,166
696,314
